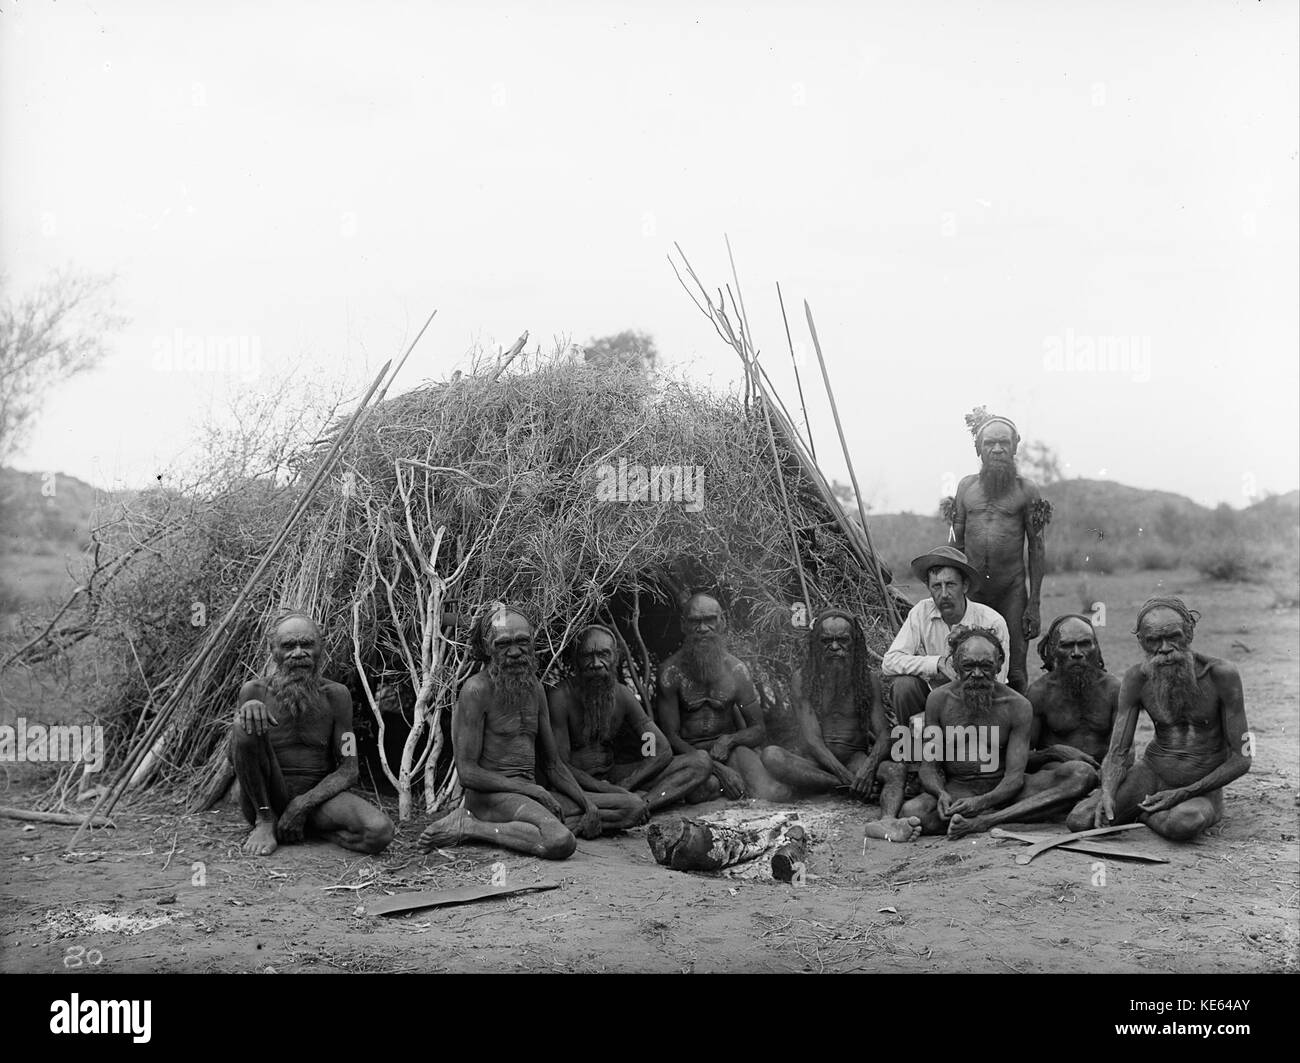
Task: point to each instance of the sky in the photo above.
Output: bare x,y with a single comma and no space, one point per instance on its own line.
1084,217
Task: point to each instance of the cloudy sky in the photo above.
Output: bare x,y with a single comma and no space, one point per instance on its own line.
1083,216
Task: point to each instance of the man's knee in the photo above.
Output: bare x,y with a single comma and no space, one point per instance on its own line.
377,832
701,765
242,743
1182,822
774,757
1078,777
1081,815
891,771
558,844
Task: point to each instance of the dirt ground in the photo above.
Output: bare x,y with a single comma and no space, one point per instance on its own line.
170,892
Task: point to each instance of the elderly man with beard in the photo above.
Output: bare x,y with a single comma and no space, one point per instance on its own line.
294,752
1201,735
1075,702
842,720
979,778
701,687
498,727
994,515
918,658
587,712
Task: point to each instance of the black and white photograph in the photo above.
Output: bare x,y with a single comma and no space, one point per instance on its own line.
630,489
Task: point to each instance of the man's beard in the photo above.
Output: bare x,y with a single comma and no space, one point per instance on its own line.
1078,680
513,686
702,656
977,696
837,682
597,693
298,690
997,477
1173,686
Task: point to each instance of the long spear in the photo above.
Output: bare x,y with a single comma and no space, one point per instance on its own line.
115,792
862,510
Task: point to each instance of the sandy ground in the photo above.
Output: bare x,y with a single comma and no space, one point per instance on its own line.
170,892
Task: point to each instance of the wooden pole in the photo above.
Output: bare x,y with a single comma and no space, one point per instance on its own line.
862,510
798,381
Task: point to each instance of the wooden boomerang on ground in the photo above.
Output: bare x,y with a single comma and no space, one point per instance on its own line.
409,902
1095,849
1052,843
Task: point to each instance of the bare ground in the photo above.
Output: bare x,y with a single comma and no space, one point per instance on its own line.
170,892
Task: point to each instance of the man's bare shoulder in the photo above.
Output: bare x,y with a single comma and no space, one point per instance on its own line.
626,700
475,687
337,693
1219,670
562,694
1040,690
737,668
670,668
1016,704
965,484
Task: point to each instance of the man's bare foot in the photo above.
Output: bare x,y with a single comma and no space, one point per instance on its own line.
959,826
262,841
445,833
894,830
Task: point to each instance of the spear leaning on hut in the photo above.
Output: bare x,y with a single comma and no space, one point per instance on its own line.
862,510
114,793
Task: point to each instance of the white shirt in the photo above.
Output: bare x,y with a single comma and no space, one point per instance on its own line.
923,639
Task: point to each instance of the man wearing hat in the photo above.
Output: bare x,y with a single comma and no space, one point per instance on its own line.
918,657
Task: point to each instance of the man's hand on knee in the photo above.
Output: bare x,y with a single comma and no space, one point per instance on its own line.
254,718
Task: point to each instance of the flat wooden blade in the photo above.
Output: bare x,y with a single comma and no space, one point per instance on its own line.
409,902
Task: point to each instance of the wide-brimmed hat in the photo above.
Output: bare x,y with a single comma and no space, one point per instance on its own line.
948,557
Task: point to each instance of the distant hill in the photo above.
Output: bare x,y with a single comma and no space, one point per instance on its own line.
47,513
1103,526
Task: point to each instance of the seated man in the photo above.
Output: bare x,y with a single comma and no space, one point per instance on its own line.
918,656
1074,703
498,728
978,780
842,717
700,688
1201,736
294,752
587,711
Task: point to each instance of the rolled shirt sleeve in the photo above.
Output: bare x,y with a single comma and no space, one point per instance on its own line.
905,656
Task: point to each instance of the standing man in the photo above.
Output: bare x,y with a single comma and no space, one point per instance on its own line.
995,513
919,658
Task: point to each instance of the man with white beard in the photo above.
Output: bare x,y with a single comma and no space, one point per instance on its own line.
294,752
1201,741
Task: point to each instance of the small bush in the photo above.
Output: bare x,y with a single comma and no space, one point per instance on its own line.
1155,558
1229,562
